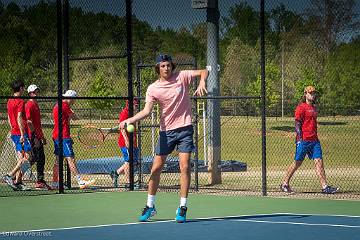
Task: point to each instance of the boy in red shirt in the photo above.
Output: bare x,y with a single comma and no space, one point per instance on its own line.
67,114
123,143
307,142
19,135
36,135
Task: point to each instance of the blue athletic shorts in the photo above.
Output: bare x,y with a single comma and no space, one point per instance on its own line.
181,138
125,153
67,147
312,149
18,145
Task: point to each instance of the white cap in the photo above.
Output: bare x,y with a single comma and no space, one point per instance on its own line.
32,88
70,93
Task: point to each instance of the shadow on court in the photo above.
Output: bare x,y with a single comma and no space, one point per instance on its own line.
266,226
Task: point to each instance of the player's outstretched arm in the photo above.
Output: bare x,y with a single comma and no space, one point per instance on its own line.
139,116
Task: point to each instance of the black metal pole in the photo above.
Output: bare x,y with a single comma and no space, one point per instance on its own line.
66,67
60,90
138,94
130,86
66,44
263,95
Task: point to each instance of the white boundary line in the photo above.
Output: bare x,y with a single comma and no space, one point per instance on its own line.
208,218
299,223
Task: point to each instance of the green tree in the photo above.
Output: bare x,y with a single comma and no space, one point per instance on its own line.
240,68
331,20
273,82
303,64
308,78
341,85
99,88
243,22
284,21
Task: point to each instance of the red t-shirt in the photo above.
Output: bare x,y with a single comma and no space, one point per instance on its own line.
124,114
14,106
307,115
66,114
33,113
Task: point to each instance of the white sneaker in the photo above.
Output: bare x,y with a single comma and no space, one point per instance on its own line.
86,183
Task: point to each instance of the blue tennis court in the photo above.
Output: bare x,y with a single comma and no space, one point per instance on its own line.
260,226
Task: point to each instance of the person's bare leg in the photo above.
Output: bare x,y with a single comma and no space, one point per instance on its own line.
125,169
72,165
56,171
18,164
156,169
185,176
320,171
290,171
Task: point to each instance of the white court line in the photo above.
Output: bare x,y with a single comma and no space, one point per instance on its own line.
208,218
298,223
322,215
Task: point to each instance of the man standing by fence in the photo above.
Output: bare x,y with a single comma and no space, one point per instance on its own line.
19,136
36,135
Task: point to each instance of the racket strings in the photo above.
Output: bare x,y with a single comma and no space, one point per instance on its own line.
91,137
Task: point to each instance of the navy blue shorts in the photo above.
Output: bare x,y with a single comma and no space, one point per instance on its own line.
126,156
67,147
312,149
181,138
18,145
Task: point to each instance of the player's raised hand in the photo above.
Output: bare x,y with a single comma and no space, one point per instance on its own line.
201,89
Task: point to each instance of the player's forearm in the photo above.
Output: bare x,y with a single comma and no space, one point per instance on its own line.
21,125
139,116
203,75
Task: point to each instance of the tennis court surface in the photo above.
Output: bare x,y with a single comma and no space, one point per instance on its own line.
114,216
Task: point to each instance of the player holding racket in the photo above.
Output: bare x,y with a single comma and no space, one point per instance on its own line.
19,129
307,142
67,114
171,92
123,142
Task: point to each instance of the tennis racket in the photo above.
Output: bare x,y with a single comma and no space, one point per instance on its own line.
92,136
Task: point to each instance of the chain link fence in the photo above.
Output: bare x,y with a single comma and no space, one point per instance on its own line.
308,42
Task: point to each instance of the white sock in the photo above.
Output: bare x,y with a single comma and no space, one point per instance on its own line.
150,200
78,178
183,202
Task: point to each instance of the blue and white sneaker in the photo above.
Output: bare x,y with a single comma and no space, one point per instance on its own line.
181,214
147,213
9,181
330,190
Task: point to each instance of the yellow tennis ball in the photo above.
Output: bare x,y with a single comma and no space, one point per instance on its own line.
130,128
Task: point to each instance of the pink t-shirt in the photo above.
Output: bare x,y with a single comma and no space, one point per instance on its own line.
174,100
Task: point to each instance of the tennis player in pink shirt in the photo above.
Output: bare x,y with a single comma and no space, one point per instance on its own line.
171,92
